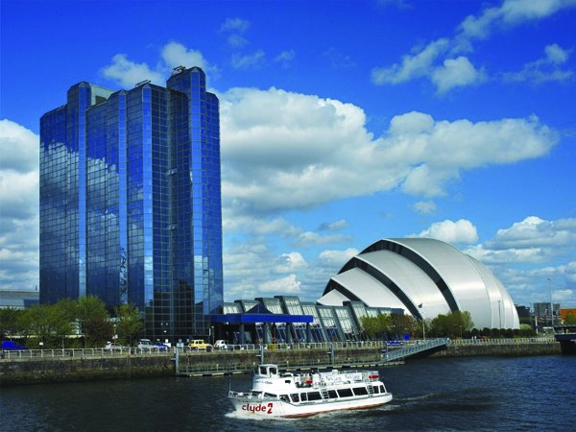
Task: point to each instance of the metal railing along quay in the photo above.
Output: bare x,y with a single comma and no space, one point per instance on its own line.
405,350
413,348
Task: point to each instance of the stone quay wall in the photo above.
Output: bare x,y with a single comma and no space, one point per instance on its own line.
72,366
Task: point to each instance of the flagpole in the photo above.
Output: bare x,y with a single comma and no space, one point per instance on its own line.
421,306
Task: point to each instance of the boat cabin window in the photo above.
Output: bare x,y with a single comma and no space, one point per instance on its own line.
332,394
345,392
270,395
312,396
358,391
284,398
303,397
376,390
295,397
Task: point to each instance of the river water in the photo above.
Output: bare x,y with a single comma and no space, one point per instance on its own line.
447,394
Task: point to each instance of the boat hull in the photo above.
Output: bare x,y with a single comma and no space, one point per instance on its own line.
278,408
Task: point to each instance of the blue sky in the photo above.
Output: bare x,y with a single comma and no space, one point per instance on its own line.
343,122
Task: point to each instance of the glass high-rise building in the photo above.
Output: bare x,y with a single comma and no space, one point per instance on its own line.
130,201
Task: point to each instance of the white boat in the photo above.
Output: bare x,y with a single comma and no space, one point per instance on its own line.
302,394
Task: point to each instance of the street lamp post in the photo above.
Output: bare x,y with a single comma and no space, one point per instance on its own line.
551,305
421,306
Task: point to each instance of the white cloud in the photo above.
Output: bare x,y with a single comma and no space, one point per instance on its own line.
235,25
532,257
460,232
310,238
19,213
175,54
424,207
548,68
286,58
128,73
334,226
285,150
511,13
535,232
436,61
457,72
286,285
248,61
337,258
412,66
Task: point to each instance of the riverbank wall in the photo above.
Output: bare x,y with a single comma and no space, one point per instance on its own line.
93,366
467,348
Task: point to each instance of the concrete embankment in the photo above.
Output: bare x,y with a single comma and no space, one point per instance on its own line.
92,367
500,348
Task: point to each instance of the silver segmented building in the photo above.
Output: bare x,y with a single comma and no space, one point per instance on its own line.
425,277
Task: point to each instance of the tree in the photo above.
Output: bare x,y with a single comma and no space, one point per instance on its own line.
130,324
375,327
10,323
94,321
403,325
570,319
454,324
50,323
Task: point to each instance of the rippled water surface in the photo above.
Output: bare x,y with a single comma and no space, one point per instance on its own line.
482,393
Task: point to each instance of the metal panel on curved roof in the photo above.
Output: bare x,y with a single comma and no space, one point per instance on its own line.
410,272
457,271
366,288
504,313
410,278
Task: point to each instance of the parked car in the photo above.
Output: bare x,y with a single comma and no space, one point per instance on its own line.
161,347
114,347
12,346
222,345
199,344
146,344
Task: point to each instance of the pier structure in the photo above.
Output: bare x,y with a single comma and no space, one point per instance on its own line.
566,335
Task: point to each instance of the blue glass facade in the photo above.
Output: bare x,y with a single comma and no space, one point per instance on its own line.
130,202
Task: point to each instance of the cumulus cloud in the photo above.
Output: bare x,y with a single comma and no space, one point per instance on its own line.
459,232
457,72
440,62
286,58
19,215
334,226
127,73
175,54
413,66
287,285
284,150
249,61
547,68
510,13
532,257
424,207
235,25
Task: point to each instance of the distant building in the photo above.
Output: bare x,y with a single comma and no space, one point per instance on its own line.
543,315
566,313
18,299
130,201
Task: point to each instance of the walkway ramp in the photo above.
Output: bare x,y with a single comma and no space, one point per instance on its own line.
414,348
